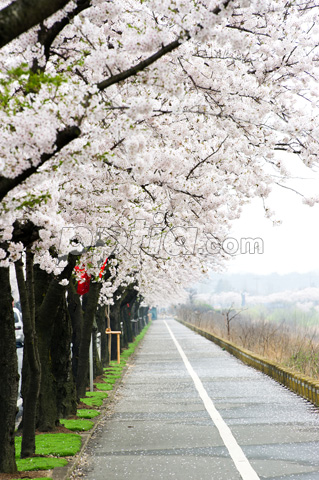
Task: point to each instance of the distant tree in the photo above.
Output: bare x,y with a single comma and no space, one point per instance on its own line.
192,292
230,314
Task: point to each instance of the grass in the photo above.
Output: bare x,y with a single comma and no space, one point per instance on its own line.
81,425
40,463
114,369
128,352
93,402
104,386
94,399
109,380
97,394
113,363
87,413
57,444
110,376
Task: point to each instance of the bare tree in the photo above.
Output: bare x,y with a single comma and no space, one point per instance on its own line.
229,315
191,294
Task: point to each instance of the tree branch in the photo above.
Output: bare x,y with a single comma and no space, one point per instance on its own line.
62,139
206,158
153,58
21,15
55,290
47,36
141,65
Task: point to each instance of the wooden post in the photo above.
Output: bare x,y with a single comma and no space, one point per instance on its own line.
109,332
118,347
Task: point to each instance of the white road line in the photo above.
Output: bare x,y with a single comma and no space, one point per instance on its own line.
241,462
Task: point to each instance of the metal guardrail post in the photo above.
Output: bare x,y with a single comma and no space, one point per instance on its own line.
91,364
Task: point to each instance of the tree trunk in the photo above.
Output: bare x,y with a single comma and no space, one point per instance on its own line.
119,313
97,364
9,379
134,315
66,403
127,328
31,354
76,315
90,307
54,348
143,311
127,304
47,411
101,326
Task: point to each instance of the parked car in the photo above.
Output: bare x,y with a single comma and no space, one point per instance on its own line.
18,327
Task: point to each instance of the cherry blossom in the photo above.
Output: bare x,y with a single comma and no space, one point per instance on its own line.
93,139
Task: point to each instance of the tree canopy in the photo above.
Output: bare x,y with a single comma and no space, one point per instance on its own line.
138,129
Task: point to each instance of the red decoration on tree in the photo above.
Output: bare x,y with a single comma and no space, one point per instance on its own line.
102,268
84,284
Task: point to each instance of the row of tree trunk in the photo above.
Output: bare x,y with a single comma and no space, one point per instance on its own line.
58,327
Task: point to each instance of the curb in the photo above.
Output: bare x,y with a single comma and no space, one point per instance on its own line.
303,386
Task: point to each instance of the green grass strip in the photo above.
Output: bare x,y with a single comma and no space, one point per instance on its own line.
40,463
94,399
114,369
113,363
128,352
58,444
87,413
81,425
97,394
104,386
112,375
92,402
107,379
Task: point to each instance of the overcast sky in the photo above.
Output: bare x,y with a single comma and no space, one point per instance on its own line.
293,246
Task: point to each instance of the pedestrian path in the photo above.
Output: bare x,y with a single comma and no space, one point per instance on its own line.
188,410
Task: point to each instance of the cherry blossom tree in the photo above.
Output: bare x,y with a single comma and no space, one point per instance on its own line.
137,130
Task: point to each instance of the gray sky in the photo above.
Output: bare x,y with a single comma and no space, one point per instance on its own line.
292,246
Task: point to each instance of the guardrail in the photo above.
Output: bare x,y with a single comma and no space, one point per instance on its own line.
304,386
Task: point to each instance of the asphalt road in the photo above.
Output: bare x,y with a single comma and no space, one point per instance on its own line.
188,410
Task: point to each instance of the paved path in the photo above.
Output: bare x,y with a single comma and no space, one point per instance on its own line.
188,410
